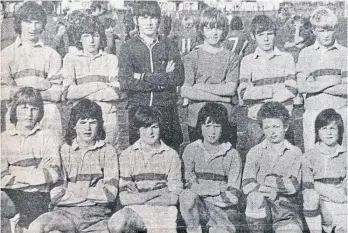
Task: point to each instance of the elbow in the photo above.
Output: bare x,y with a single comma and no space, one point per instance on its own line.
186,91
124,199
173,199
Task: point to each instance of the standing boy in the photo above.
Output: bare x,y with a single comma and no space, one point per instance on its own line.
322,74
150,180
150,72
265,75
28,62
272,176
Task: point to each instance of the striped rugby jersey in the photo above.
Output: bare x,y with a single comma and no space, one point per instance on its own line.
30,163
150,172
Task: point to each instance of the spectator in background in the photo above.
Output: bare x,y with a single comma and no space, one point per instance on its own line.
165,26
97,9
211,71
111,36
237,40
322,74
29,62
150,72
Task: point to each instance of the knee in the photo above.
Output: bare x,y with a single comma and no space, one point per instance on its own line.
187,200
255,200
118,221
310,199
8,209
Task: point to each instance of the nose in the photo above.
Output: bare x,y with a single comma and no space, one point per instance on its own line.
266,38
29,112
89,126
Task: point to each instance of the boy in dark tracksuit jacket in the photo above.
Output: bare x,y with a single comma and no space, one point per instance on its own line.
150,72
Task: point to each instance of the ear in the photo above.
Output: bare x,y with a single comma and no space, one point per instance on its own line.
135,20
252,36
286,126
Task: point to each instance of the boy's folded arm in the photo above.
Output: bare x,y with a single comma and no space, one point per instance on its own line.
193,93
307,85
221,89
168,199
205,191
331,192
83,90
136,198
337,90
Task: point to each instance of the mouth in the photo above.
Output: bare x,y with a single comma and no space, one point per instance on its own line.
88,134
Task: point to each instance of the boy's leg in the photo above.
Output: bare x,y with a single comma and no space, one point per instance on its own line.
191,208
58,221
222,220
291,227
126,220
257,212
8,211
334,216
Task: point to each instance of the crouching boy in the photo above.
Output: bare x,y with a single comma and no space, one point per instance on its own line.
213,171
30,162
271,176
91,183
150,180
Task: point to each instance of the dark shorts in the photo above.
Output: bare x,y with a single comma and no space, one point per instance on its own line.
28,205
87,219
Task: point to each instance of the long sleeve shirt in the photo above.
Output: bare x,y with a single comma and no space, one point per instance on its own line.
329,170
24,65
157,88
264,78
280,170
208,172
150,171
30,163
91,175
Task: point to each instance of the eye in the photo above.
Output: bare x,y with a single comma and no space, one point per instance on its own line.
93,122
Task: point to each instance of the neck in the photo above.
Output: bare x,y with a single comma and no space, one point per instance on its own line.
90,54
26,41
85,144
268,52
326,149
148,37
276,146
210,146
147,147
330,45
212,48
23,130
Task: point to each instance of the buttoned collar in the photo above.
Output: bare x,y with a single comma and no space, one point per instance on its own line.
224,147
14,132
137,146
98,144
19,42
82,54
318,46
259,53
340,149
286,145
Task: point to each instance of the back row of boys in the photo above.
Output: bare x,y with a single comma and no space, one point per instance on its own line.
150,71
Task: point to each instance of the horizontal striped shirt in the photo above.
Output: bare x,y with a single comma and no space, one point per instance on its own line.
29,163
317,61
283,166
92,175
327,169
150,172
23,64
267,77
212,170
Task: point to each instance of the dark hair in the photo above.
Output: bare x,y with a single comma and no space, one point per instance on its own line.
214,113
29,11
146,116
236,23
95,5
85,109
213,18
90,25
261,23
326,117
147,8
273,110
26,95
165,25
109,22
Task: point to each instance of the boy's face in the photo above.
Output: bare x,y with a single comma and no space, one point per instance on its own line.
31,30
27,115
274,129
150,135
212,35
265,40
148,25
325,36
90,43
87,130
211,133
329,134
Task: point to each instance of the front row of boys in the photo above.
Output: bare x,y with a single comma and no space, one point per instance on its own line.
81,179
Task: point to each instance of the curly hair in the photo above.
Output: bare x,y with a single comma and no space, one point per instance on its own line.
273,110
29,11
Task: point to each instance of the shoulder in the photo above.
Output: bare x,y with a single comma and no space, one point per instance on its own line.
255,151
111,57
248,58
295,150
52,52
8,52
70,57
193,146
307,50
127,153
286,55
